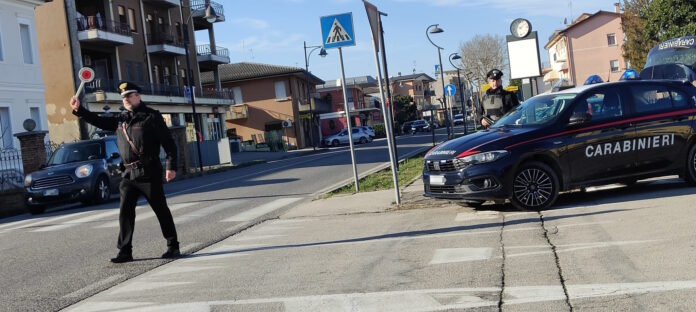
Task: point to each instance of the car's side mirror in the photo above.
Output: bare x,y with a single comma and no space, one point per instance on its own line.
579,119
115,155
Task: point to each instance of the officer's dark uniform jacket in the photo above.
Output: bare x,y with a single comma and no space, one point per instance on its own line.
146,129
496,103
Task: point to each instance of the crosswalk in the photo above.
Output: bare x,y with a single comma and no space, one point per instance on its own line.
233,210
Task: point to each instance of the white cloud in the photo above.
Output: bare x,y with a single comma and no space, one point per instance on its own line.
251,22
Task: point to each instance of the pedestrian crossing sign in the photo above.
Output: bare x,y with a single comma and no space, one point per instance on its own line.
337,30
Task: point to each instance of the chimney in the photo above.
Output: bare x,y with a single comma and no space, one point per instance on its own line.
617,7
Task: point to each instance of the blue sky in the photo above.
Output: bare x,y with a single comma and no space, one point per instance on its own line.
272,31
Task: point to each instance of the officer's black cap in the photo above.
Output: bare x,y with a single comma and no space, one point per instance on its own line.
494,74
127,88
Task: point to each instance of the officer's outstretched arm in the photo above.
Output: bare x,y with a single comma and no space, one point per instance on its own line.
165,138
105,123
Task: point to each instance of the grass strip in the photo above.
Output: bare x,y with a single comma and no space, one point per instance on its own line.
382,180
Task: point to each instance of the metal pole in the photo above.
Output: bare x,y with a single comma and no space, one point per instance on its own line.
392,115
311,111
348,123
444,97
190,86
461,99
390,144
432,120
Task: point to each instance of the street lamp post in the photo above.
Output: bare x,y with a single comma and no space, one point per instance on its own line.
438,30
211,17
455,56
322,53
473,103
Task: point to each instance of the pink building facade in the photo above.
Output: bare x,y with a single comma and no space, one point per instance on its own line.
363,111
592,45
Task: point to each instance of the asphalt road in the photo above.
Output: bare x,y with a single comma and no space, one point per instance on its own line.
57,259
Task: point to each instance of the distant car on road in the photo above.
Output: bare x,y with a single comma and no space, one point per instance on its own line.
359,136
420,126
458,119
370,131
406,127
86,171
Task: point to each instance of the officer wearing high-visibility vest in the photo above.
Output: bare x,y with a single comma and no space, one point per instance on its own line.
140,132
497,101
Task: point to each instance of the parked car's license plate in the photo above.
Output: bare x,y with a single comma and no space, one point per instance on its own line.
51,192
437,180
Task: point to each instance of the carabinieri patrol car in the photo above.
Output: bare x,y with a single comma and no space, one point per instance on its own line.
589,135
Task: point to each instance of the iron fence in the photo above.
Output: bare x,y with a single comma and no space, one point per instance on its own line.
11,172
205,49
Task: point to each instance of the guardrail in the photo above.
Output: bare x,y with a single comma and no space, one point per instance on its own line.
99,23
205,49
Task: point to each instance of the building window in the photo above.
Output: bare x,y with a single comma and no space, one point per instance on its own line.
36,116
131,20
25,36
122,14
611,39
280,90
614,64
5,128
237,92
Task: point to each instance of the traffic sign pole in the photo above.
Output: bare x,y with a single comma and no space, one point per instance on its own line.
348,123
376,42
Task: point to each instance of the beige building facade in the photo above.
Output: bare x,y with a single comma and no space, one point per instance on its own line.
591,45
140,41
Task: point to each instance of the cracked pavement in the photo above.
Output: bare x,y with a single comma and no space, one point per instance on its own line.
615,248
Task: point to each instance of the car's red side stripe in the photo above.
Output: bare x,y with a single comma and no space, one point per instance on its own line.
608,124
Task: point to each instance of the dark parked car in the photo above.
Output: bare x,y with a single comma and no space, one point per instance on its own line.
87,171
406,127
420,126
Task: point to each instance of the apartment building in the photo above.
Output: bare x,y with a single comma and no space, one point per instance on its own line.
21,86
362,112
591,45
141,41
266,95
415,86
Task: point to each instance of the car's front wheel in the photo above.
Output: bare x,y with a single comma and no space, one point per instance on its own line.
335,143
535,186
690,176
363,140
36,209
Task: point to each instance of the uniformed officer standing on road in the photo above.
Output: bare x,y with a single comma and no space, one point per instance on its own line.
140,131
497,101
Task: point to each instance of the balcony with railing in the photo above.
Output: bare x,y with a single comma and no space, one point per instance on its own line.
198,13
96,29
164,3
160,89
237,112
208,59
165,40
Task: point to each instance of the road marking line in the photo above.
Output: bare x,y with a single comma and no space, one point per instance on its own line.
44,221
93,287
146,286
451,255
107,306
145,216
257,237
262,210
184,269
208,211
75,222
479,215
574,247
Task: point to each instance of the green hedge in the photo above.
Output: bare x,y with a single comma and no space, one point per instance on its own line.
380,132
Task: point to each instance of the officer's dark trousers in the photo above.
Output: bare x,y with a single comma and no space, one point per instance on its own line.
154,193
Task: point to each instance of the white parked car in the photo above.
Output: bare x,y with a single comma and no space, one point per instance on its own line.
370,131
359,136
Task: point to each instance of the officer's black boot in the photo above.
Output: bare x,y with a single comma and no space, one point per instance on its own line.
172,252
123,256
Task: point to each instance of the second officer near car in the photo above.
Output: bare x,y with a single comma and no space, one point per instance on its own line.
140,131
497,101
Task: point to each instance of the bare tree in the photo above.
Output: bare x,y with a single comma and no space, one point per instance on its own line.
483,53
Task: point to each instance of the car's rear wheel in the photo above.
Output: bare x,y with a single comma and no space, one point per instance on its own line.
335,143
363,140
534,187
690,176
36,209
102,191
